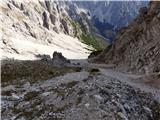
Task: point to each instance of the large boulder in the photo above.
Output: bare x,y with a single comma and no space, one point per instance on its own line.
59,59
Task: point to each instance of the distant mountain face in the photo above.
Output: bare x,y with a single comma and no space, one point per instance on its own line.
117,13
106,17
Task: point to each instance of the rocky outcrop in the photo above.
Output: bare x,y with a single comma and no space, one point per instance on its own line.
53,18
59,59
136,47
45,20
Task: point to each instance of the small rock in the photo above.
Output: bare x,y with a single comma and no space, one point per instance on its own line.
126,106
120,106
45,93
118,95
15,96
99,98
87,105
122,116
148,111
9,88
27,85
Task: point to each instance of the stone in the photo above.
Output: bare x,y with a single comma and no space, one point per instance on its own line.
87,105
46,94
59,59
148,111
122,116
15,96
27,85
121,107
99,98
127,107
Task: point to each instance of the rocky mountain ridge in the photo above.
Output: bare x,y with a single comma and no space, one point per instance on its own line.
117,13
104,17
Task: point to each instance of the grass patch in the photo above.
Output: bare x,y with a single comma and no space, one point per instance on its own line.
13,71
28,96
91,41
76,28
73,24
85,37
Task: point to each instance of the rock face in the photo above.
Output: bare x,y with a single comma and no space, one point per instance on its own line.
38,27
106,11
136,47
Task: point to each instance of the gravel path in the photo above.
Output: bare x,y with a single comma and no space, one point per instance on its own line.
130,79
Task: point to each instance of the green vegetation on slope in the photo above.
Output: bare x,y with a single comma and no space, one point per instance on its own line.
87,38
91,41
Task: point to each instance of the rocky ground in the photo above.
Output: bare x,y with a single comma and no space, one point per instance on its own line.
85,93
